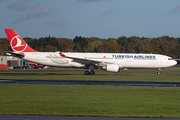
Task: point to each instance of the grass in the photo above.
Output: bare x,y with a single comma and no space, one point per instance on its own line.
145,75
89,100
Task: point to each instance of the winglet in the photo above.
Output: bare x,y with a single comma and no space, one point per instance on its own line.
61,54
17,43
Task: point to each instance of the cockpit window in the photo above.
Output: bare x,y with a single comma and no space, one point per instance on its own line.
170,59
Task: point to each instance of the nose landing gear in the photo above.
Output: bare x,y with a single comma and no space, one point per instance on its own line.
158,73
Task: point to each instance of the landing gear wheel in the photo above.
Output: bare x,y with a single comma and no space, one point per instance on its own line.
89,73
158,73
86,72
92,73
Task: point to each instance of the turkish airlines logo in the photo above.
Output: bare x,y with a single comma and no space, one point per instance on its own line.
18,44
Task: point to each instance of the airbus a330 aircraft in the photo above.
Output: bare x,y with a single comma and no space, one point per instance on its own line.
111,62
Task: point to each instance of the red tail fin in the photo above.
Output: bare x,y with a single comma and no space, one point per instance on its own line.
17,43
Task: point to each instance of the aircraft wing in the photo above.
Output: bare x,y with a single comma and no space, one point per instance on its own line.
85,60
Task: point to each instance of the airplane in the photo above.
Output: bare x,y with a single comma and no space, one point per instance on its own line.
111,62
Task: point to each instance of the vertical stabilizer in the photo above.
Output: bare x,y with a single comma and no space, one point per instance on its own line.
17,43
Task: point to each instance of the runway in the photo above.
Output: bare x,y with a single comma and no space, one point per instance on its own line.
33,117
120,83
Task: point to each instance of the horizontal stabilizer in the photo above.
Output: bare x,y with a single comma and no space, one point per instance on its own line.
18,55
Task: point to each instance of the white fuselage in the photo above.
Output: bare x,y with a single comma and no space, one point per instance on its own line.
111,62
124,60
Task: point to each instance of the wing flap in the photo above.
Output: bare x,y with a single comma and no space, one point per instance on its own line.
85,60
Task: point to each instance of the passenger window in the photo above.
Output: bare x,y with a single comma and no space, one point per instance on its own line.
170,59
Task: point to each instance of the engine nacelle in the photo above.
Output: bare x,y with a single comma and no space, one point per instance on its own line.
111,67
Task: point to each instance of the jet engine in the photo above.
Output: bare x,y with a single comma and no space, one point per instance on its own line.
111,68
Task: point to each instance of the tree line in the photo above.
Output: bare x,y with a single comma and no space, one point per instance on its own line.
161,45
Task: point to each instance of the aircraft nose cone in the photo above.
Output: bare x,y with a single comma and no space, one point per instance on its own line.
175,62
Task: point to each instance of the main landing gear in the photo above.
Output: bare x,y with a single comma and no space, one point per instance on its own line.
158,73
90,72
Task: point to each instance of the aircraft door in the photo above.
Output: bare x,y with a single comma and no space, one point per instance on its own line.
38,56
160,60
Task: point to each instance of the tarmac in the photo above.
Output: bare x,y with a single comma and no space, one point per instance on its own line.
78,82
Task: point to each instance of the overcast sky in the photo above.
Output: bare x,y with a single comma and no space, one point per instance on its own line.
91,18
